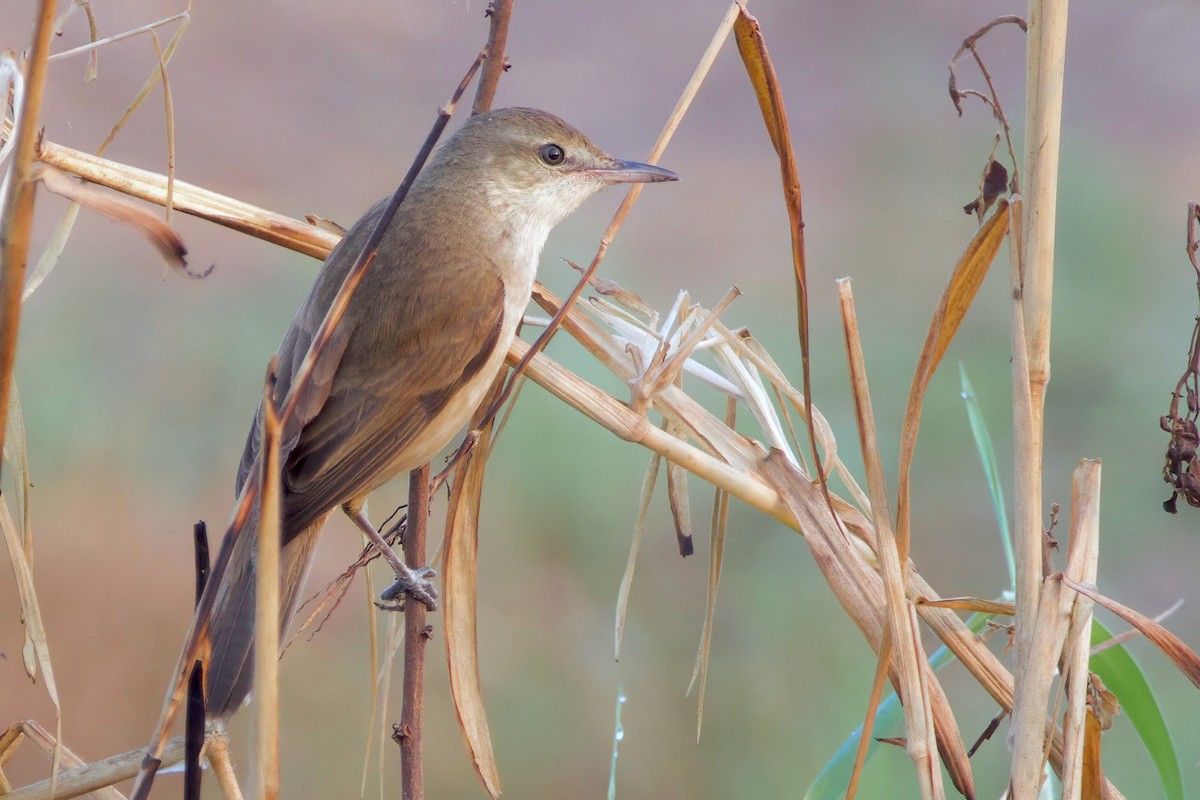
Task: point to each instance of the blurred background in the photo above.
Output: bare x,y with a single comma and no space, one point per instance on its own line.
138,388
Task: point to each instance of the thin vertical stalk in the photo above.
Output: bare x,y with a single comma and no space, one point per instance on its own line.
1034,290
412,773
17,206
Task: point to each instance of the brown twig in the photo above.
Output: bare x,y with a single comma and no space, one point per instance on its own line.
500,13
408,734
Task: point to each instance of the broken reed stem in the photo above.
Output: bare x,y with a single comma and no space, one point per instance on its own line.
1082,557
1032,311
410,733
17,205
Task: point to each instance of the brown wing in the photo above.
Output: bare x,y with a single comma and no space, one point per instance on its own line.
366,425
409,340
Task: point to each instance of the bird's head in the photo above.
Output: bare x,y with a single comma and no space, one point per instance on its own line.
534,168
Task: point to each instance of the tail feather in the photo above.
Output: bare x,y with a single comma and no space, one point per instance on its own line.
230,673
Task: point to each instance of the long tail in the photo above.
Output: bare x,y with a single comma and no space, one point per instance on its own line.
230,673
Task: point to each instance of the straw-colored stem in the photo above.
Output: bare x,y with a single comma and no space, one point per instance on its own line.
190,199
17,205
94,777
266,613
1044,79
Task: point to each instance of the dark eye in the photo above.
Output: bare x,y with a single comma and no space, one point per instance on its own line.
552,154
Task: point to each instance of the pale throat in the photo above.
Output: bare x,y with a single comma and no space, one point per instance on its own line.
527,214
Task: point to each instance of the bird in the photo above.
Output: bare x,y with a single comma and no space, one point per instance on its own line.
422,339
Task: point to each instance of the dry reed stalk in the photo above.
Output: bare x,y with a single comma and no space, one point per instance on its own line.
79,778
1046,51
17,190
16,204
266,597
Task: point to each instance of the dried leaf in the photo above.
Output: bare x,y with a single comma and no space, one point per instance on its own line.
1172,646
162,236
52,251
964,283
461,600
753,49
972,604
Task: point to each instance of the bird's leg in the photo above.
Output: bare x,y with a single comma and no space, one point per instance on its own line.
410,581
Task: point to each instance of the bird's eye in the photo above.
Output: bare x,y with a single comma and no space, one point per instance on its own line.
552,154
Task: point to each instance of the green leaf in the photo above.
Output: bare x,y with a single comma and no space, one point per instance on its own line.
1124,678
987,454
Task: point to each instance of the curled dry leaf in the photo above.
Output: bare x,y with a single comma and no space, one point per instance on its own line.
154,230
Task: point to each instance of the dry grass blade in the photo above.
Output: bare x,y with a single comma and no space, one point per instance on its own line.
14,475
639,530
964,283
16,524
920,739
459,591
716,559
89,74
154,230
1174,648
36,651
266,623
753,49
169,110
1081,565
97,43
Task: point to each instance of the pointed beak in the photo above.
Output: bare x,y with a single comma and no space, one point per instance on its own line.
633,172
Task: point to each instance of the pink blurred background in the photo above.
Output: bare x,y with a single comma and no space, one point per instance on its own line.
138,388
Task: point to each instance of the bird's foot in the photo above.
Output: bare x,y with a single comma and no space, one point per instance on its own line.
414,583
